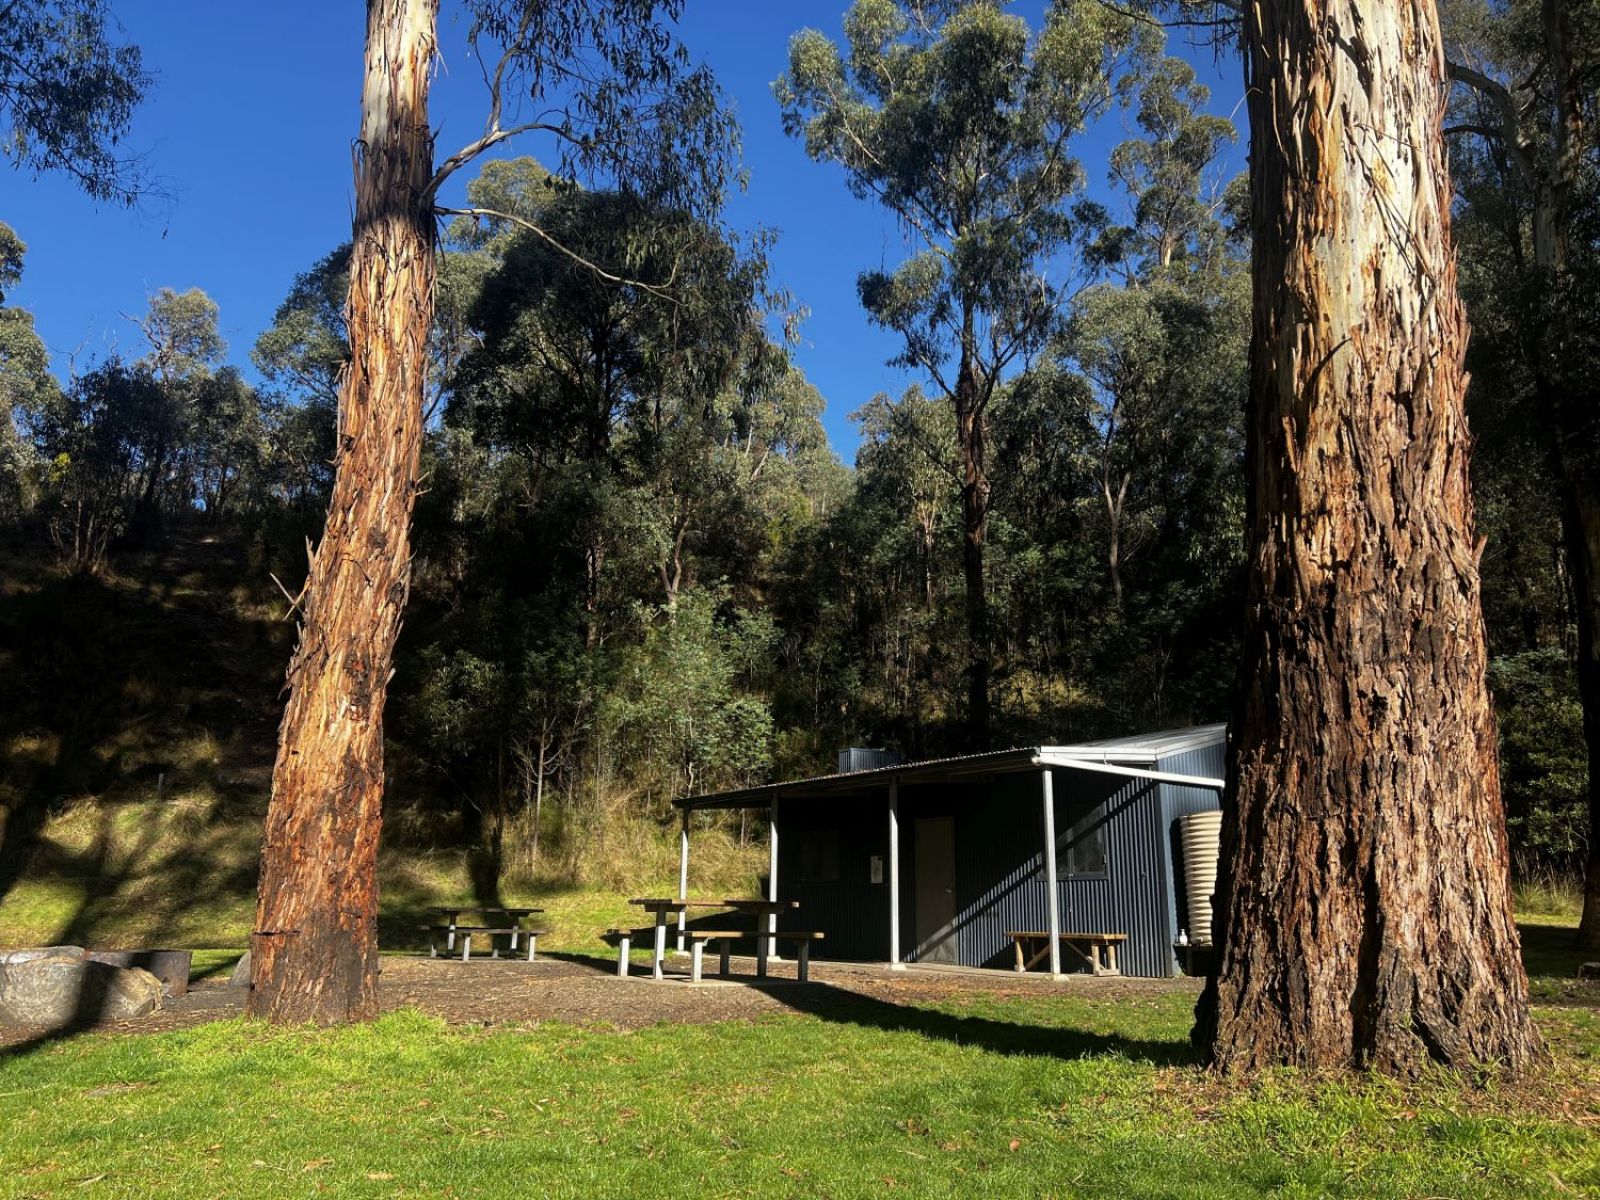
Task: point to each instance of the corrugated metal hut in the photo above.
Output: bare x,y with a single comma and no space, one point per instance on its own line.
938,861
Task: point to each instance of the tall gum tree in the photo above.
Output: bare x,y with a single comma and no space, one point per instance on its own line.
960,121
657,127
1364,898
1526,75
314,948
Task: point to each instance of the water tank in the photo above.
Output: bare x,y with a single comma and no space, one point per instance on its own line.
859,758
1198,835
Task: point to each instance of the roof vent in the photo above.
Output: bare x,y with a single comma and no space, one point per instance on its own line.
860,758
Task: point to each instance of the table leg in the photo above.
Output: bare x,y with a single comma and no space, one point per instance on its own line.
623,945
761,957
696,957
466,946
661,943
724,946
1021,965
533,942
450,933
805,961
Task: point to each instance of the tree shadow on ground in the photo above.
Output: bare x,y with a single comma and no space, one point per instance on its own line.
143,705
149,686
829,1002
1551,957
844,1005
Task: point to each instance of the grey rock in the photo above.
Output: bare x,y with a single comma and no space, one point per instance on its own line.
63,990
170,966
241,973
28,955
1589,971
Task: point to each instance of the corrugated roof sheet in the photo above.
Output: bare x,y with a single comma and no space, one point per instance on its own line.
1141,750
1154,745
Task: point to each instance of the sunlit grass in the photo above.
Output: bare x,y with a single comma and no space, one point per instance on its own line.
1547,893
181,872
937,1101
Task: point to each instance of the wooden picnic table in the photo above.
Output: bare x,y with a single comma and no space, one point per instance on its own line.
665,906
452,911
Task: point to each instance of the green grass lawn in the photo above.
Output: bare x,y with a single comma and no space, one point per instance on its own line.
1054,1096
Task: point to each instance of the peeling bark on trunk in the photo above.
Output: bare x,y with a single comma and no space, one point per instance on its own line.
1364,906
314,949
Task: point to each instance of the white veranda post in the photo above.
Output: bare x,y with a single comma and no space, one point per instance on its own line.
772,878
1052,893
683,873
894,875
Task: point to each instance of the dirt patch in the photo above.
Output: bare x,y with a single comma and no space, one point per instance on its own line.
587,992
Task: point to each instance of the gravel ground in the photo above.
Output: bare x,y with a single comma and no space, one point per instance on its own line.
586,992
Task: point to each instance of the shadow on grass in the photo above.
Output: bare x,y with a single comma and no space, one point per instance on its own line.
1550,950
829,1002
146,700
142,687
222,965
843,1005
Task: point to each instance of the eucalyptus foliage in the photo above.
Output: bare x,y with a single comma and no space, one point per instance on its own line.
68,91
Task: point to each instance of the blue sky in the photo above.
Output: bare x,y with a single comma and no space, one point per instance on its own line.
250,124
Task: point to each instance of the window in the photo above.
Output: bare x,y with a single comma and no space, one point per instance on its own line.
819,856
1085,845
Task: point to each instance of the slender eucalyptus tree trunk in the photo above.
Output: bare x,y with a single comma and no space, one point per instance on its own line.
975,491
1570,407
314,949
1364,897
1583,558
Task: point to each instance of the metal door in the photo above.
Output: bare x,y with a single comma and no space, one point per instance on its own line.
936,890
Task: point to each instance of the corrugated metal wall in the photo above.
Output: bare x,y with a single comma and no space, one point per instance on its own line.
1130,898
853,912
999,846
1000,884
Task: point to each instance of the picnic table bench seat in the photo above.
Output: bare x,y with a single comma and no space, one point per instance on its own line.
1099,950
445,933
699,938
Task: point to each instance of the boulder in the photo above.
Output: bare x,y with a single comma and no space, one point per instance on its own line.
241,973
170,966
8,957
61,989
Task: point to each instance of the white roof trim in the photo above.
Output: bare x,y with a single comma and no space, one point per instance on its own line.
1074,763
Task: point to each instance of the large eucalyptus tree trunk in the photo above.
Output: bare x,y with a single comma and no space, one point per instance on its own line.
1364,902
314,949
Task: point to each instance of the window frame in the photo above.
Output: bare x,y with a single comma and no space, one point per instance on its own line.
1096,820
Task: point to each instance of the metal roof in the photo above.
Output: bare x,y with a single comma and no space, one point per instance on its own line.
1149,746
1142,751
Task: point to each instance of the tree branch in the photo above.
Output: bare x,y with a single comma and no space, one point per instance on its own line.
548,238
